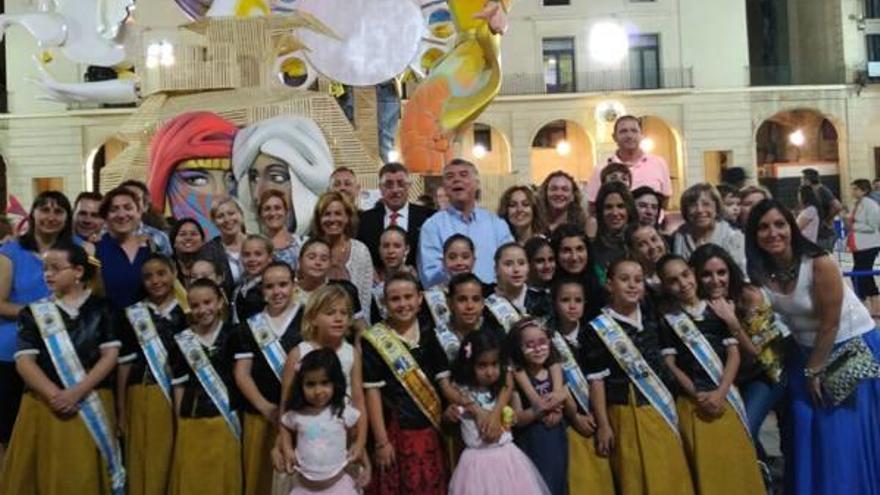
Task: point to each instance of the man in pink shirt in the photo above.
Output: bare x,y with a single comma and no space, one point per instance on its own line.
647,170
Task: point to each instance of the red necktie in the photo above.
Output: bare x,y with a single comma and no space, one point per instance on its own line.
394,216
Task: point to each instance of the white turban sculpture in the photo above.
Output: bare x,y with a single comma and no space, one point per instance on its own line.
300,144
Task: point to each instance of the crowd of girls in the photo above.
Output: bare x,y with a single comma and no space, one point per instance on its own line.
604,364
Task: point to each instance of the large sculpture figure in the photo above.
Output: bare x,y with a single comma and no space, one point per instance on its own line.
190,166
285,153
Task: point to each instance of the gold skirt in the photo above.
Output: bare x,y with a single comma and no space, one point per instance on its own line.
258,438
648,457
207,458
587,472
149,440
49,455
721,454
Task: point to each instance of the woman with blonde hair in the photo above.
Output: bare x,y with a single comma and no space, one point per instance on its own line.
335,221
273,210
519,207
225,249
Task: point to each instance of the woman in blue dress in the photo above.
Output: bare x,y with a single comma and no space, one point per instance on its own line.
835,437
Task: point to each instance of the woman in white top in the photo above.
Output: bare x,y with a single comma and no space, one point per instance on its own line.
863,241
834,441
702,209
808,219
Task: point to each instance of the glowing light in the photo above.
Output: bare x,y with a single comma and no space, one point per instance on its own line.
479,151
393,156
160,54
647,145
797,138
563,147
608,42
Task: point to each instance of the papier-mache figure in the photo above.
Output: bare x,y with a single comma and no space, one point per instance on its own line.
285,153
190,166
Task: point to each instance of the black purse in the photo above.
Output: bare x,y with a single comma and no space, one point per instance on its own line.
847,366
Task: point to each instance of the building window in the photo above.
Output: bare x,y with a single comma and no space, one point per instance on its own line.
559,76
873,41
550,3
483,136
43,184
872,9
550,135
644,61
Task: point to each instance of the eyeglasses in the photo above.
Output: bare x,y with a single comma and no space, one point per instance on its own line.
56,269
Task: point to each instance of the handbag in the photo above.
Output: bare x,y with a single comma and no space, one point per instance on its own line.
847,366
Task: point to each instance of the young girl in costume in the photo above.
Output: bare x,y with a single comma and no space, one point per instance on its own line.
67,349
314,262
458,260
637,423
247,299
324,425
204,268
458,255
326,322
542,268
144,395
207,447
587,471
540,431
262,346
405,373
489,467
704,359
511,300
393,250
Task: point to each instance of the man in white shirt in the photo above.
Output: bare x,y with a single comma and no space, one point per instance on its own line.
394,208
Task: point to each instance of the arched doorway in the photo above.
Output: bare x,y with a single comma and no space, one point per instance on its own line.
98,158
790,141
561,145
487,148
659,138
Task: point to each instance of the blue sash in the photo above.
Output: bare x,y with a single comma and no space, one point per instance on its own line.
572,373
268,343
634,365
154,351
436,300
503,310
696,342
212,383
71,372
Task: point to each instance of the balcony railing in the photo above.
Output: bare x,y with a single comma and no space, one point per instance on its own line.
598,81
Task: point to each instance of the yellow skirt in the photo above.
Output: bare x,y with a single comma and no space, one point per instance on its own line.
587,472
721,454
149,436
49,455
207,458
648,458
258,438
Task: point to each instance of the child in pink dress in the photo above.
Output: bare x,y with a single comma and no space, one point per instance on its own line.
324,426
500,467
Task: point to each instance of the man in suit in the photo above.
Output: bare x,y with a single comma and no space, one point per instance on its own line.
393,209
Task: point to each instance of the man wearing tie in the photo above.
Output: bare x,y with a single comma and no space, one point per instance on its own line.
393,208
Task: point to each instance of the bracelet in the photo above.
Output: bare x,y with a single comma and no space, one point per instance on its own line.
813,373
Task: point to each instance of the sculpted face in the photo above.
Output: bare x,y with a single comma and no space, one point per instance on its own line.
194,186
267,173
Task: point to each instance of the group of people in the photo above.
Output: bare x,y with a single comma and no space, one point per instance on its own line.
554,346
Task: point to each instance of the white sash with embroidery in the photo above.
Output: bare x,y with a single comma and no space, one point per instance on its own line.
378,292
71,372
436,300
268,342
701,349
639,371
572,373
151,345
209,378
503,310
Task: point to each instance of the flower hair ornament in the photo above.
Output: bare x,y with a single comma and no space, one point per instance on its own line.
468,350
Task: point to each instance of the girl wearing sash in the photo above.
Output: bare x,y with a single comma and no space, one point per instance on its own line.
467,312
542,266
458,259
637,424
262,346
393,250
587,471
571,247
64,438
647,246
314,262
144,396
326,323
489,467
512,273
247,299
207,448
704,358
405,369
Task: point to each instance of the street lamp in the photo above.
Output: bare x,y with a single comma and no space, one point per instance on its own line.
563,148
798,139
479,151
647,145
608,42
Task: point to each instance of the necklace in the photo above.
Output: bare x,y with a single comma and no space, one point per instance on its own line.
785,275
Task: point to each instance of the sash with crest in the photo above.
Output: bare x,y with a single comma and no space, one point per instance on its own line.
71,372
436,300
634,365
503,310
406,370
199,362
572,373
268,342
701,349
151,344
